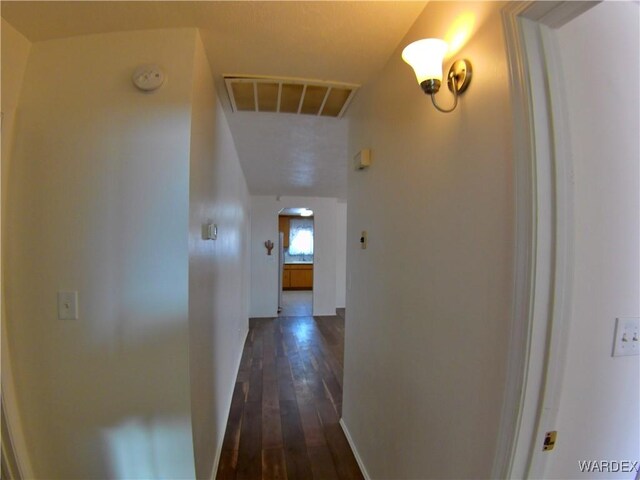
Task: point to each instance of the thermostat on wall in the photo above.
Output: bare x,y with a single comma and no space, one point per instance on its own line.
148,77
362,159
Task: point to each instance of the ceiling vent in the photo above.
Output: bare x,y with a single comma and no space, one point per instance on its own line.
288,95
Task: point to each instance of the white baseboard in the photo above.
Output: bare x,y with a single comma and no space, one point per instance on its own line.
363,469
216,460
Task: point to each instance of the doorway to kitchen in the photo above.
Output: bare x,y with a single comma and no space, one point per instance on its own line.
295,258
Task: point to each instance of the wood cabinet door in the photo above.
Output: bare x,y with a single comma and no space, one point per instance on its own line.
302,278
286,279
283,226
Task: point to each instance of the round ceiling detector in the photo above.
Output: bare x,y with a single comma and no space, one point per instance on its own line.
148,77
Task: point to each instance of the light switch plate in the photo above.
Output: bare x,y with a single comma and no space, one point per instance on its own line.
626,339
210,231
67,305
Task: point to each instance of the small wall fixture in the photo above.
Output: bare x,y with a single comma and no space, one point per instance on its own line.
425,57
362,159
269,246
210,231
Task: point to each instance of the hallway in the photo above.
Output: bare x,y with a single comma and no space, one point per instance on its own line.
297,303
286,404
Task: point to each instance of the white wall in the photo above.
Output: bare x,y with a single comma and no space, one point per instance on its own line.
430,299
99,203
218,277
264,268
341,254
15,53
599,412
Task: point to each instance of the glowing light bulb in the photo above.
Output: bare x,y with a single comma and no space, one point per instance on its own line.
425,57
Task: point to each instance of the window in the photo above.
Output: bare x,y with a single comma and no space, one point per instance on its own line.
301,236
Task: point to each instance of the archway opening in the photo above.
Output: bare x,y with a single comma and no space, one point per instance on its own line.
295,259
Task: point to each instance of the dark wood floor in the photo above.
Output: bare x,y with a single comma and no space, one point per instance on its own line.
287,402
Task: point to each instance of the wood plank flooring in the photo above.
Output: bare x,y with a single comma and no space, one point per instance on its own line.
287,402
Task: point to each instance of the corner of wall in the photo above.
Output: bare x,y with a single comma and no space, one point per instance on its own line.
15,55
354,449
218,283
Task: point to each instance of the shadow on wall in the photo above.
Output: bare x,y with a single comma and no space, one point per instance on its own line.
143,448
127,423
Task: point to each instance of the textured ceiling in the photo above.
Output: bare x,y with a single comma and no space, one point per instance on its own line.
306,155
347,41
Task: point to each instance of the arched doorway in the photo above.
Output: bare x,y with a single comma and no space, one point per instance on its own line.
295,255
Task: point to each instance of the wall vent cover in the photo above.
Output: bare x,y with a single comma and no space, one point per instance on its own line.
249,93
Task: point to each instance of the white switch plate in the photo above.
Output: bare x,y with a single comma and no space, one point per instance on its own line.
626,339
212,231
67,305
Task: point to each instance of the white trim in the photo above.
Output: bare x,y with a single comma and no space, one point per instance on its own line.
347,103
304,91
230,79
279,97
555,14
363,469
525,246
557,333
232,97
295,80
9,460
12,414
324,101
544,248
216,460
255,97
541,319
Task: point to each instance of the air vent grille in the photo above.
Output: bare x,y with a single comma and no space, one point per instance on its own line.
288,95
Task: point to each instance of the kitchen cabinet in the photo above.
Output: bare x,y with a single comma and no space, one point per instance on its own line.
297,276
283,227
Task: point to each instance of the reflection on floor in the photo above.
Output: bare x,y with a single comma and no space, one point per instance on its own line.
297,303
287,403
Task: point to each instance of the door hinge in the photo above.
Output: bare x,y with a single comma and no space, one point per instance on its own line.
549,441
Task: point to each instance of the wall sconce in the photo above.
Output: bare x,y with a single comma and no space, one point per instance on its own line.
425,57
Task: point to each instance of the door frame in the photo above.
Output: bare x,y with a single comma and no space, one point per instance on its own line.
15,456
543,175
313,285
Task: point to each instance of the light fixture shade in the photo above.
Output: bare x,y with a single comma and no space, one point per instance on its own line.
425,57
